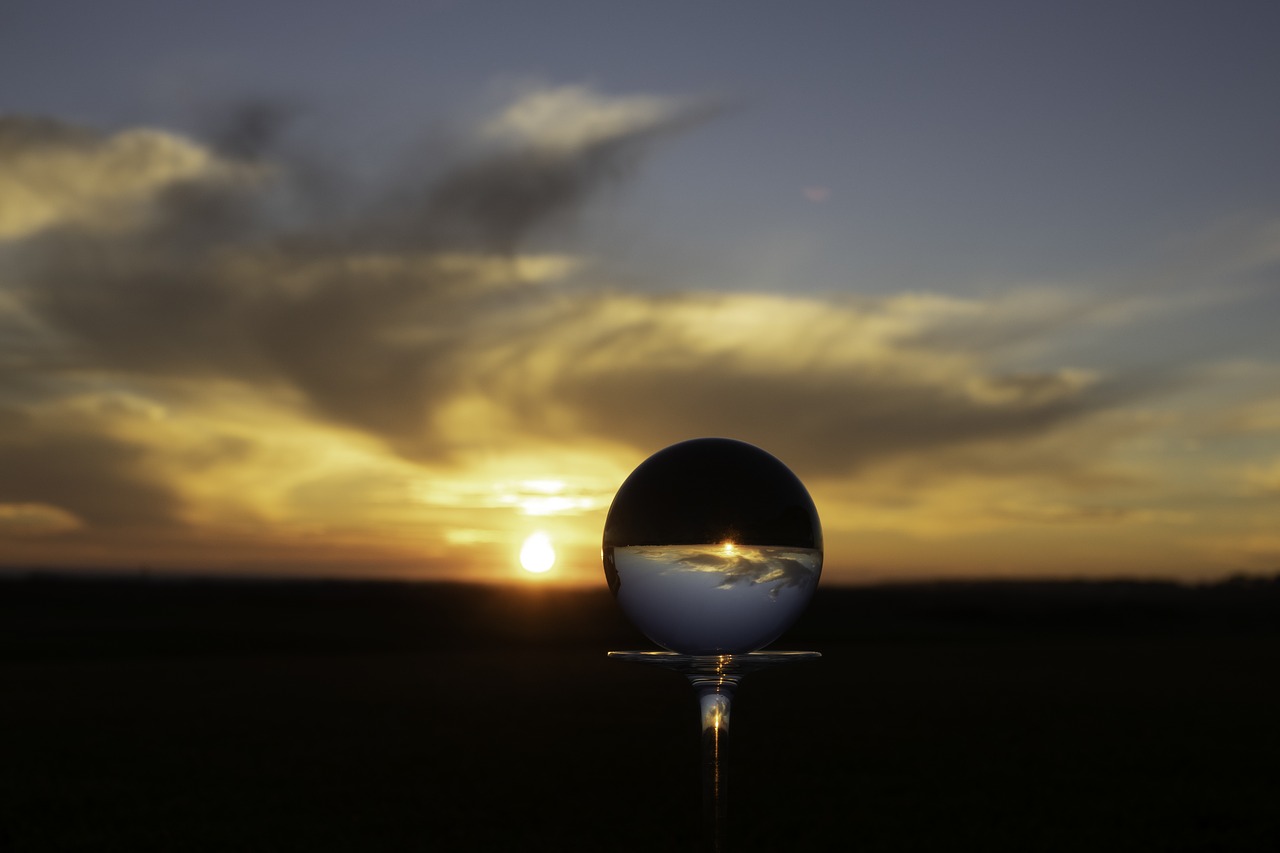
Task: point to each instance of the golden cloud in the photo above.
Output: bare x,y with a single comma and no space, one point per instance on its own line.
54,174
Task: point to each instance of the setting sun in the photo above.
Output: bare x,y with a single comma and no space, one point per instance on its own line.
537,555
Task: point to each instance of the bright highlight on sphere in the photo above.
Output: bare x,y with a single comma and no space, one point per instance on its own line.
537,555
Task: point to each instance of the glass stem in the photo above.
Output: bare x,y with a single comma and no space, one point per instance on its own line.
714,679
715,698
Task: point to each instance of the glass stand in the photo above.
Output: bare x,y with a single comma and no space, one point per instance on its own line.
714,678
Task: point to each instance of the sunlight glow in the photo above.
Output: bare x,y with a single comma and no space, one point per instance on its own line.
545,497
533,497
537,555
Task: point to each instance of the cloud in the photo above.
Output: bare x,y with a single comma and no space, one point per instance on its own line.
1263,479
419,322
553,148
54,174
79,476
34,519
830,386
748,564
368,319
177,318
566,120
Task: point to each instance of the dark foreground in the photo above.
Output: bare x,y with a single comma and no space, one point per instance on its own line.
342,717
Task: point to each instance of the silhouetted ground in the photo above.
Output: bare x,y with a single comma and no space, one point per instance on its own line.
199,716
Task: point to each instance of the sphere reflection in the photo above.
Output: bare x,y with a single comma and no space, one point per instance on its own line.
712,546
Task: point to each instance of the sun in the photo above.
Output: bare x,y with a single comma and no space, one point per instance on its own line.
537,555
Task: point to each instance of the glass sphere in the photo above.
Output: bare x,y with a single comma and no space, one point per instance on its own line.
712,546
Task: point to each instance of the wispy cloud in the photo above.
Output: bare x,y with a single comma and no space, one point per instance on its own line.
569,120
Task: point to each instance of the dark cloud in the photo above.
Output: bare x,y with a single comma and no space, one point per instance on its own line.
251,129
498,201
96,478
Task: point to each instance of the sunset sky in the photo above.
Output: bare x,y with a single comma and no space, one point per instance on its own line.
383,288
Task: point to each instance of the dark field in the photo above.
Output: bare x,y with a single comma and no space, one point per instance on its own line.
185,716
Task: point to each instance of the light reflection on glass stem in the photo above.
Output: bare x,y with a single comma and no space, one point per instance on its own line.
714,679
715,697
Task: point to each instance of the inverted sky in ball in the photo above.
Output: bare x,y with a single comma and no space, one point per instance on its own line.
712,546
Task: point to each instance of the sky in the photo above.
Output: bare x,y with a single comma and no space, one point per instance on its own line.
382,289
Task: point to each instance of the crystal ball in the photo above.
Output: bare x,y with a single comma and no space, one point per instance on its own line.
712,546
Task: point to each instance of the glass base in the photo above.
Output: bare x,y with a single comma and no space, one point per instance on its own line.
714,664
